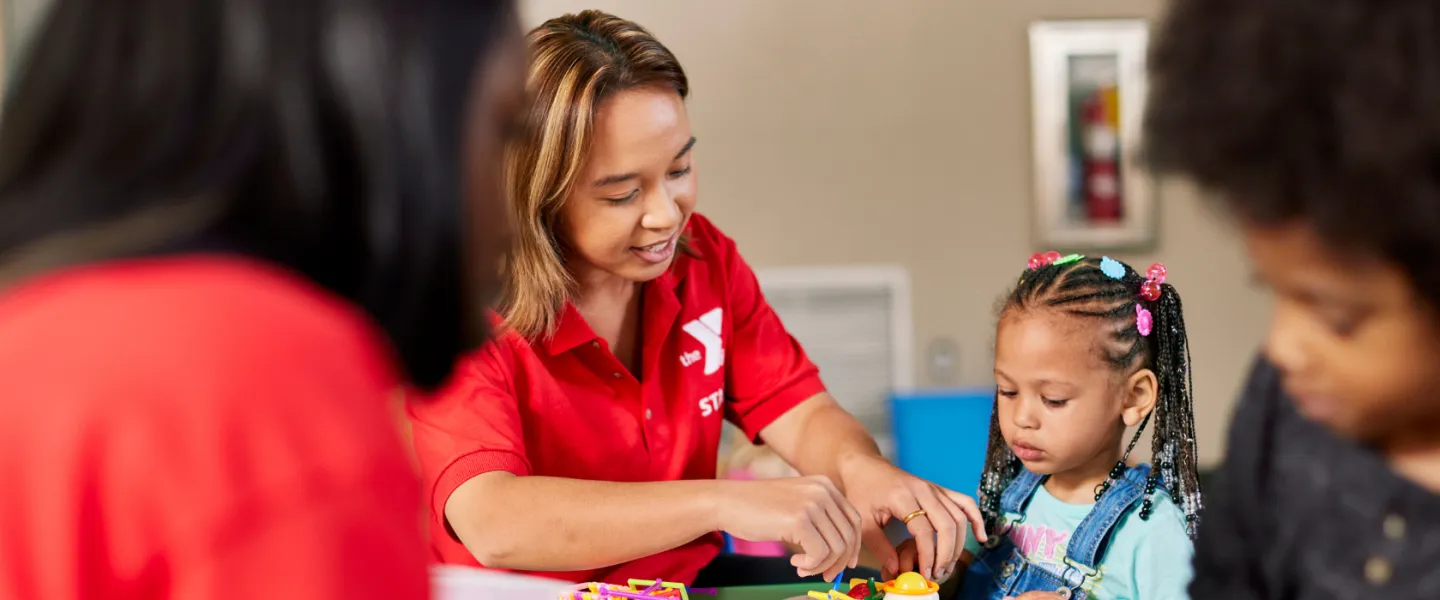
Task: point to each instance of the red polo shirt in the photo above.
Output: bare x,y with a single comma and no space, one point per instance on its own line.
200,427
566,407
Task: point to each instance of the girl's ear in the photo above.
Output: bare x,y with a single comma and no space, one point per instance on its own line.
1141,393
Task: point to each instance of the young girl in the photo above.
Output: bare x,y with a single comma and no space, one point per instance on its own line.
1086,348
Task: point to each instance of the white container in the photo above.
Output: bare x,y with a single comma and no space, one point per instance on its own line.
449,582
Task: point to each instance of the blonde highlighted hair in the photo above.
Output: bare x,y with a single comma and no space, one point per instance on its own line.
578,61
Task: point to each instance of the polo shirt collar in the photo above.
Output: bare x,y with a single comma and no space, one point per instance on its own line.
661,307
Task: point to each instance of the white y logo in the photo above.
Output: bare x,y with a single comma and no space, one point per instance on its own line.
706,330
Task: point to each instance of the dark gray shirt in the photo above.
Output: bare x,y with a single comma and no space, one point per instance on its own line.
1297,512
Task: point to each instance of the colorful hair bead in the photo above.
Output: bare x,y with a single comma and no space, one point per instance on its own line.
1154,277
1044,259
1069,258
1156,273
1150,290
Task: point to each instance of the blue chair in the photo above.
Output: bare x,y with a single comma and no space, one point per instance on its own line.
941,434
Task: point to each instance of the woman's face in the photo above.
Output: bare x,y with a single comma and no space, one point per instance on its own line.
496,114
635,190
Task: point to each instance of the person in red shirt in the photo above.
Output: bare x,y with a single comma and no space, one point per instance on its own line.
583,443
230,234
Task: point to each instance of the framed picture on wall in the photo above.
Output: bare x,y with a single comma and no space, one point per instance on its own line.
1088,97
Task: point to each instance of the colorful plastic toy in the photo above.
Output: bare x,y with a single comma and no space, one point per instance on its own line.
911,586
860,589
638,589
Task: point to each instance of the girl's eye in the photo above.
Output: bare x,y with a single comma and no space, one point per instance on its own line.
627,198
1009,393
1055,403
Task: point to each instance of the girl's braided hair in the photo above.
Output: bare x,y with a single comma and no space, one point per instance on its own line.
1079,288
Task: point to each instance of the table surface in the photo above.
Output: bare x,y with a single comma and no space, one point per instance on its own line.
760,592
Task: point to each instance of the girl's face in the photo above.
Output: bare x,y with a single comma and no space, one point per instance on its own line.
1061,408
635,190
1358,349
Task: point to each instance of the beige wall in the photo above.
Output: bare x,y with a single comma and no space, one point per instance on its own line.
854,131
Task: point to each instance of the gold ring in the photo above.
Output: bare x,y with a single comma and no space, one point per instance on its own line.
911,517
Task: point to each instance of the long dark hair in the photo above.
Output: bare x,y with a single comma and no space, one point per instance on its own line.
322,135
1080,288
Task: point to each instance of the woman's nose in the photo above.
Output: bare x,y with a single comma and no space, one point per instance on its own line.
661,211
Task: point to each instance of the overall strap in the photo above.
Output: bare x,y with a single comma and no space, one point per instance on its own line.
1087,545
1020,491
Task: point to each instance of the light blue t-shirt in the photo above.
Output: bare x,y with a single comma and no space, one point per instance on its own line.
1146,560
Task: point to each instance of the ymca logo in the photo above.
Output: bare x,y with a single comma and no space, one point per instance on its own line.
706,330
710,405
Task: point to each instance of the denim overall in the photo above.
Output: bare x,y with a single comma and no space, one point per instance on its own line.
1001,571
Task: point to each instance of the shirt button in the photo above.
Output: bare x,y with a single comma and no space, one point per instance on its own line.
647,414
1063,593
1007,570
1395,527
1377,571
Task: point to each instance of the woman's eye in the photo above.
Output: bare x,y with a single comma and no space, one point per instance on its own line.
627,198
681,173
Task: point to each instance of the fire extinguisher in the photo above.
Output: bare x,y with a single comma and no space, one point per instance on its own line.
1100,164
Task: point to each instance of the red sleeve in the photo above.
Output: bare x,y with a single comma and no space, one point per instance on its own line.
766,371
471,427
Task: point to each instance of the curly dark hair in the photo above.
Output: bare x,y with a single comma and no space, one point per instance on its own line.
1325,114
1082,290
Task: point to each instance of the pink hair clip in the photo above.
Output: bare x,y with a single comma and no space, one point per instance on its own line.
1143,320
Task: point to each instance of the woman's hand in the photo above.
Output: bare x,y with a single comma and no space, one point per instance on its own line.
910,559
881,492
808,512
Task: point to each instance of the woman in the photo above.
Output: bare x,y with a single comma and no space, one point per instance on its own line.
221,224
584,442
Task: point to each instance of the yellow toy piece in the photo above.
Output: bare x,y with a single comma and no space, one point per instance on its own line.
829,595
642,584
911,586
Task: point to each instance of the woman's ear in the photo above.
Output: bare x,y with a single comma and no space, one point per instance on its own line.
1141,392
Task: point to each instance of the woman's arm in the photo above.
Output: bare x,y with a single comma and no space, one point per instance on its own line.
774,392
817,436
557,524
